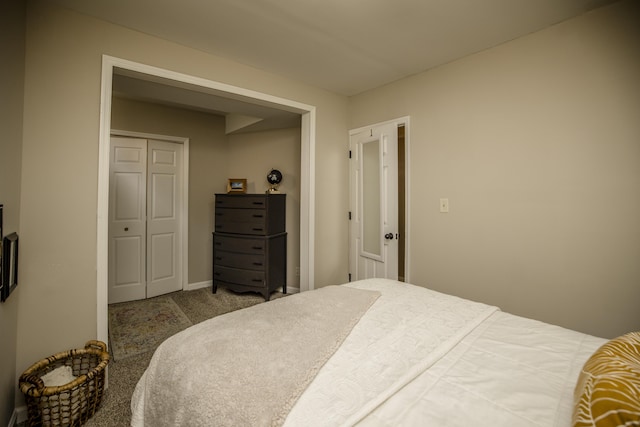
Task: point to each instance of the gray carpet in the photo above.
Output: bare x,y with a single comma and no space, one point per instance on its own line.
123,374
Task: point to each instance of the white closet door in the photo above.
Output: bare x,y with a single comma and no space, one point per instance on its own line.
145,224
164,198
127,219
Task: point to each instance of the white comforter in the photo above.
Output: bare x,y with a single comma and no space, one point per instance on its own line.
510,371
397,369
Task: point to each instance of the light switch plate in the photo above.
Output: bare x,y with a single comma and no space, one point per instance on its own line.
444,205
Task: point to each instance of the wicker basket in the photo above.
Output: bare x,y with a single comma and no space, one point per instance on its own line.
71,404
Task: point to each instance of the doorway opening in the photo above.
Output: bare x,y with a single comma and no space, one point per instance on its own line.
402,200
111,66
379,203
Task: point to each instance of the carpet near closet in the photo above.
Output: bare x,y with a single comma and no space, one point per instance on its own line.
151,321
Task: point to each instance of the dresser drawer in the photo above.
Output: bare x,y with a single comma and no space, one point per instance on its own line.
240,201
241,221
236,260
237,276
238,244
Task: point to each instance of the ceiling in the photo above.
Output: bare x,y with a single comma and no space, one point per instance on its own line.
344,46
241,116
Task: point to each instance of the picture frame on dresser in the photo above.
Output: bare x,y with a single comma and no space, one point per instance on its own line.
237,185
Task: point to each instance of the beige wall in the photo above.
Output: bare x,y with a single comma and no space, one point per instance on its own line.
214,157
536,143
12,28
57,306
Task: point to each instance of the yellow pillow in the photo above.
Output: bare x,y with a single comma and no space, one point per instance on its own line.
608,390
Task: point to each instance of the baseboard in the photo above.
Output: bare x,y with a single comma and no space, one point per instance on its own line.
209,283
198,285
19,416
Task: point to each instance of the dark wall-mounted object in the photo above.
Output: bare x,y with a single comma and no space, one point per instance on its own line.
9,265
1,235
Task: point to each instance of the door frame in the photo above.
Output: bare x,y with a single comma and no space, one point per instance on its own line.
401,121
184,208
111,64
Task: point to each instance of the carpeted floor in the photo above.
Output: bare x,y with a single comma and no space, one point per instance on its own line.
136,328
126,368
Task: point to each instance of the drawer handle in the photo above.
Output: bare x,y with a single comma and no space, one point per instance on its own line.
257,263
258,216
257,247
257,280
257,229
259,203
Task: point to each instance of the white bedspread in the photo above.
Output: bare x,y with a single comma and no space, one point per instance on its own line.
407,330
497,370
510,371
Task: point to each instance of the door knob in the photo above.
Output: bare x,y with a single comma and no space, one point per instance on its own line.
126,229
388,236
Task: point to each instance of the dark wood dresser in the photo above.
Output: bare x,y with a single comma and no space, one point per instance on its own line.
250,243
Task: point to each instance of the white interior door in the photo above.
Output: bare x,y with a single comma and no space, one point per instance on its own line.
373,234
127,219
145,198
164,256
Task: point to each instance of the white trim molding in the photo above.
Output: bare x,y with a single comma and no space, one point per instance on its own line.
199,285
111,65
19,416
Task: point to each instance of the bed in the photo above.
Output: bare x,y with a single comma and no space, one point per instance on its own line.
375,352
